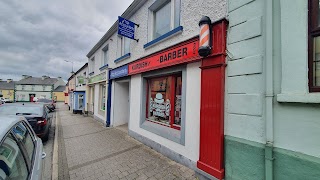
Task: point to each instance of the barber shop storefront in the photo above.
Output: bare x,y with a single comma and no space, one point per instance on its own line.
177,102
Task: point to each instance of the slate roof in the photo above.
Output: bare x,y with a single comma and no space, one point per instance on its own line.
5,85
37,81
60,89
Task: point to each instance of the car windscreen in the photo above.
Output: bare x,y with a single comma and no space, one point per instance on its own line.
20,110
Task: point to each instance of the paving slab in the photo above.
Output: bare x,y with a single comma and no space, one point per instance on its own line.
88,150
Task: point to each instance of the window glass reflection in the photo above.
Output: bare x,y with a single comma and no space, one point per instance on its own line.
316,62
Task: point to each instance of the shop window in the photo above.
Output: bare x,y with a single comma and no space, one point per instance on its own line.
103,98
164,100
314,46
165,16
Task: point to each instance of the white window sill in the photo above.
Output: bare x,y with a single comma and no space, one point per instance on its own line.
299,98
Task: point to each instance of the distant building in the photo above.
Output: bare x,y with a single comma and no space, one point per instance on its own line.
58,93
7,89
79,94
71,87
42,87
66,94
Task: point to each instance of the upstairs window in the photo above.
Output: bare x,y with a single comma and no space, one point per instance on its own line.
105,55
125,46
314,46
165,16
91,65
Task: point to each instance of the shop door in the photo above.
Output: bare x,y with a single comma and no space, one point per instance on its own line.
31,96
81,103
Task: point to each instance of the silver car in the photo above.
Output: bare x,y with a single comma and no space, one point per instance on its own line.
21,151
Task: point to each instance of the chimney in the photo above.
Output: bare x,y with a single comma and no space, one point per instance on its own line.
44,77
9,80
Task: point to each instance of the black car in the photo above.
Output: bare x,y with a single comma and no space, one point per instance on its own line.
37,115
48,102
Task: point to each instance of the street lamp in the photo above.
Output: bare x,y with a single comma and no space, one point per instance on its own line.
72,65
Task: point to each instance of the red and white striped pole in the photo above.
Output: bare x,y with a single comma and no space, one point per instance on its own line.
205,36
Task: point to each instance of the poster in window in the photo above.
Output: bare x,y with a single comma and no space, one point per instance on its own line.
159,102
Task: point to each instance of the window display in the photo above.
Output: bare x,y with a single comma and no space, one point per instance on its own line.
164,100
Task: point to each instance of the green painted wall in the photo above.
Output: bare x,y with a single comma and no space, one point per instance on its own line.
244,160
295,166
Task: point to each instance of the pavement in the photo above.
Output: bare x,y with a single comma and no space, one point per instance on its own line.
88,150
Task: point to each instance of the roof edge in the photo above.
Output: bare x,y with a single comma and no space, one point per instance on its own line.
134,7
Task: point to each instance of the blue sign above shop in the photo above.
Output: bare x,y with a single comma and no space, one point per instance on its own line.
126,28
119,72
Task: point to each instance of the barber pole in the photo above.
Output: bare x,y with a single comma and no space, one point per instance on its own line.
205,39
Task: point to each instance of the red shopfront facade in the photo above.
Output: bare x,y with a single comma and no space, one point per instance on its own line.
164,92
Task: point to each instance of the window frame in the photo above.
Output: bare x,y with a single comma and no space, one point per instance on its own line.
313,32
124,40
92,63
105,59
102,86
156,6
171,134
174,77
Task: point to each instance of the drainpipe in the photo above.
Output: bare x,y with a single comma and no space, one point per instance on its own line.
109,100
269,91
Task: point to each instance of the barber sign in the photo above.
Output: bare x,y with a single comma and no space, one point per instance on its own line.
126,28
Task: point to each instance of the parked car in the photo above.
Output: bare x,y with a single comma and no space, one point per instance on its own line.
21,151
5,100
37,115
48,102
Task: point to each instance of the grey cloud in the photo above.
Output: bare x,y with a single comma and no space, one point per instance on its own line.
37,36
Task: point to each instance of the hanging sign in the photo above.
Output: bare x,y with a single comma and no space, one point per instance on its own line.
126,28
185,52
119,72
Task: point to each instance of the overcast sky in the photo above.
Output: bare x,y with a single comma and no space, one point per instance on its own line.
36,36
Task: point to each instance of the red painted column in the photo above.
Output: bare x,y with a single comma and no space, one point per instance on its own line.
211,158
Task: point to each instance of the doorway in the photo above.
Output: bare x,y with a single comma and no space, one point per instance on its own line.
121,104
31,97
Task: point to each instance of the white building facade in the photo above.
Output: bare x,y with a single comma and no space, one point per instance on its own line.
41,87
160,104
250,110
